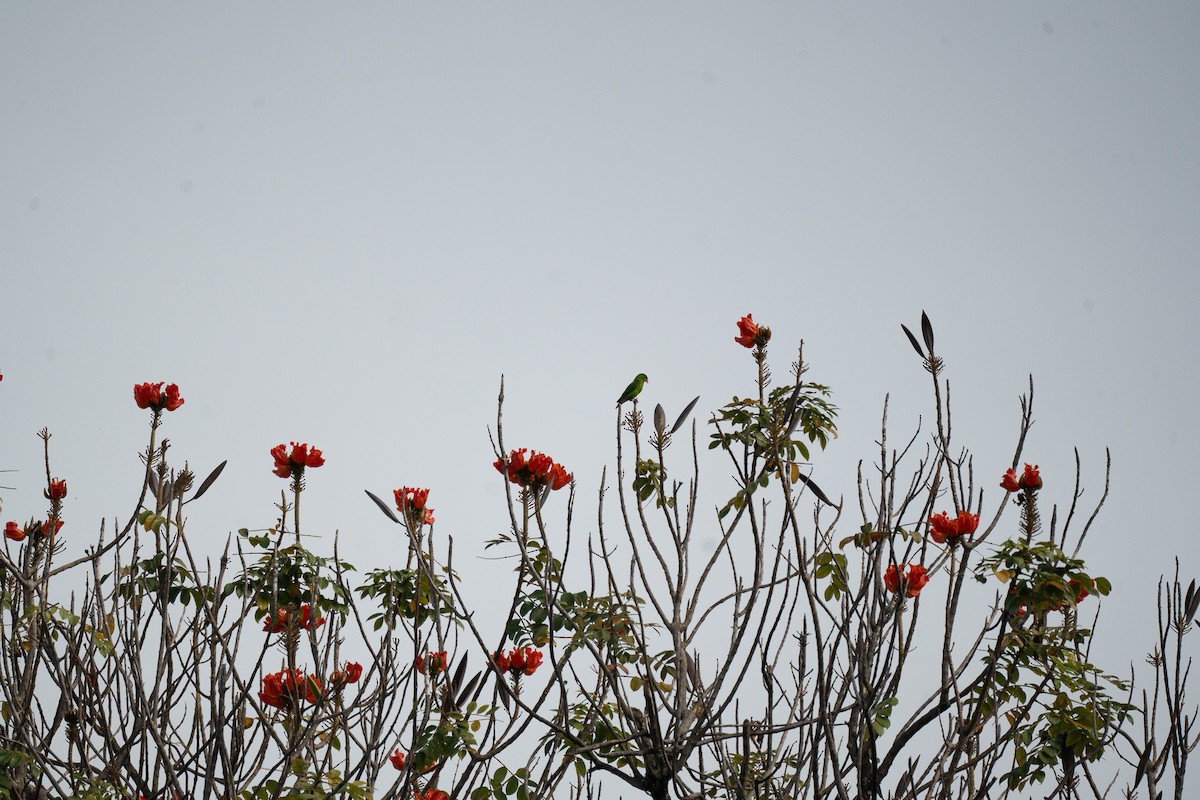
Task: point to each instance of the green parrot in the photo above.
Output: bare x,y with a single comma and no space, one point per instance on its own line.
633,389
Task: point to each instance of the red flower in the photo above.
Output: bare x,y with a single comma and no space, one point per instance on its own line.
14,532
351,674
525,660
411,502
309,621
914,581
58,523
289,687
558,477
151,395
1082,592
398,759
943,528
751,334
292,463
966,523
518,661
747,330
279,622
539,471
431,794
57,490
434,662
1031,479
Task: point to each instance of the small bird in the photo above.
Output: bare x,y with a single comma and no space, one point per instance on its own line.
633,389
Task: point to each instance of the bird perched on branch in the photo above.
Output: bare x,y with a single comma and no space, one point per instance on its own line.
633,389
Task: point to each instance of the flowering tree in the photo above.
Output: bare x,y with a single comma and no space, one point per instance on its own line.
764,651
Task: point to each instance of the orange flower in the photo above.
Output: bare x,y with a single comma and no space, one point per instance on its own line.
13,531
914,581
747,330
966,523
399,760
152,396
518,661
412,502
431,794
539,471
434,662
279,622
292,463
57,490
350,674
1082,593
943,528
751,334
1030,479
525,660
288,687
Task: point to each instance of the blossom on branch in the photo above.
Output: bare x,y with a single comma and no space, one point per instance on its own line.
942,528
351,673
412,504
152,396
434,661
13,531
305,620
431,794
913,582
536,472
1030,479
287,688
518,661
751,334
291,463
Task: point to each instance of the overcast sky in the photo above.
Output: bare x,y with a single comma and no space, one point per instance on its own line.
342,225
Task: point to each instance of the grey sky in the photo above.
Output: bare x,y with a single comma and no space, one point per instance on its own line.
341,224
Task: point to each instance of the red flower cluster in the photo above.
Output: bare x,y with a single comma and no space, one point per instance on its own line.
434,662
350,674
287,688
399,759
306,622
292,463
538,471
1031,479
518,661
1082,592
412,504
751,334
431,794
57,490
914,581
13,531
943,528
151,395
